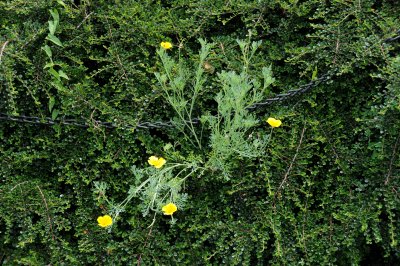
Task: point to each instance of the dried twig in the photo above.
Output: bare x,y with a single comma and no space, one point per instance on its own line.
337,47
17,185
293,160
392,160
121,66
47,209
2,49
84,19
139,259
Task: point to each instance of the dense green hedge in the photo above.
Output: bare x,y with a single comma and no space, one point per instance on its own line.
325,193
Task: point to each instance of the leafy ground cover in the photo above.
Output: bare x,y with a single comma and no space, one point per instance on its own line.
310,177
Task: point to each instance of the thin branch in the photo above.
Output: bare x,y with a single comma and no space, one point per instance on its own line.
336,50
139,259
2,49
84,19
121,66
293,160
392,160
333,147
47,209
17,185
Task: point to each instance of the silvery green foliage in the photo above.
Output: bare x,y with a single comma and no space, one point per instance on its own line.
231,136
160,187
176,81
230,129
154,187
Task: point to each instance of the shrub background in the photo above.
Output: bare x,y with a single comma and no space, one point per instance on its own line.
340,204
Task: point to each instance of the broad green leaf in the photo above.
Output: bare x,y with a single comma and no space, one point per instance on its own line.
47,49
52,27
54,39
56,17
54,73
51,64
62,3
62,74
58,85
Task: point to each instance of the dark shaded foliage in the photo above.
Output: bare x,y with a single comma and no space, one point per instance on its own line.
338,147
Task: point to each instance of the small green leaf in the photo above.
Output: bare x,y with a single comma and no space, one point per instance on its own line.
167,146
314,74
47,49
54,114
51,64
62,74
52,27
54,73
54,39
62,3
58,85
255,45
52,101
267,75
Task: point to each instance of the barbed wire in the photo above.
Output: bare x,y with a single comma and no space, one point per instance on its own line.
160,124
291,93
80,122
394,38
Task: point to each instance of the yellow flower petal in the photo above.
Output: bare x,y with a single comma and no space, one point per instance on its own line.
161,161
152,160
274,122
156,162
169,209
105,220
166,45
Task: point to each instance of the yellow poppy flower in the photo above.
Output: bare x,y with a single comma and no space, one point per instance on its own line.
274,122
169,209
166,45
156,162
105,220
